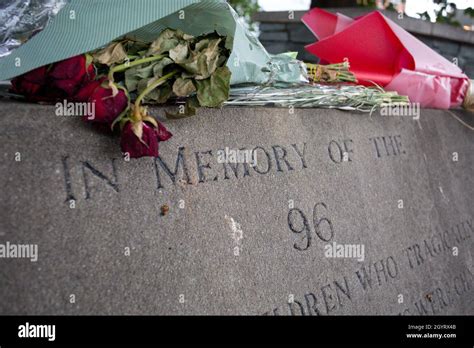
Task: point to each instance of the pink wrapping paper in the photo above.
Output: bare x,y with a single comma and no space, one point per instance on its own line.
380,51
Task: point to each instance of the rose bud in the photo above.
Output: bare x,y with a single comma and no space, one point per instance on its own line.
162,133
30,84
68,75
136,147
107,106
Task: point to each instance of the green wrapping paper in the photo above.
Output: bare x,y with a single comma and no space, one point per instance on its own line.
86,25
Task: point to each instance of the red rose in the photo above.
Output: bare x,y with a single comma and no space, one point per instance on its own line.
108,107
68,75
30,84
86,90
136,148
56,82
162,133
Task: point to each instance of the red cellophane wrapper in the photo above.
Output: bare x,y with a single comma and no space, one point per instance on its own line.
380,51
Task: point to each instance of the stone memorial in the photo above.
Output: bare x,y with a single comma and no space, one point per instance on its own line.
248,211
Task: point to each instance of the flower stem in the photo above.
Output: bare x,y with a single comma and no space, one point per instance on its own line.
150,88
128,65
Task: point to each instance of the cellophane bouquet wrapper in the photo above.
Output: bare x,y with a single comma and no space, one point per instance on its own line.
381,51
86,25
21,19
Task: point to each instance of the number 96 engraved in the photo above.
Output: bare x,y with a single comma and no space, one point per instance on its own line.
298,223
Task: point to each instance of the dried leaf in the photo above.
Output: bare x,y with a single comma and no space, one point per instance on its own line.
188,37
160,65
159,95
204,59
183,87
134,75
214,91
190,108
200,45
112,54
167,40
135,48
179,53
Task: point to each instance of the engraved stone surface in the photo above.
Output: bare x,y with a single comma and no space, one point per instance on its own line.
344,213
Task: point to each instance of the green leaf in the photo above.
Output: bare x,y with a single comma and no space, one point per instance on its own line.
214,91
183,87
159,95
134,75
160,65
144,72
131,81
162,94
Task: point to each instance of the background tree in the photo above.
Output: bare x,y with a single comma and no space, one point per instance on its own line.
245,8
447,12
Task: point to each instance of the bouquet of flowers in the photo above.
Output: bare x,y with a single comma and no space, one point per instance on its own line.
124,64
191,51
125,75
390,57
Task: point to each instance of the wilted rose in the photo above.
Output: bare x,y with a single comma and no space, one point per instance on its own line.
70,74
86,90
107,106
162,133
136,148
31,83
55,82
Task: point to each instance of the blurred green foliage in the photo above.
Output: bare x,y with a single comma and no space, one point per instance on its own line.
446,13
245,8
